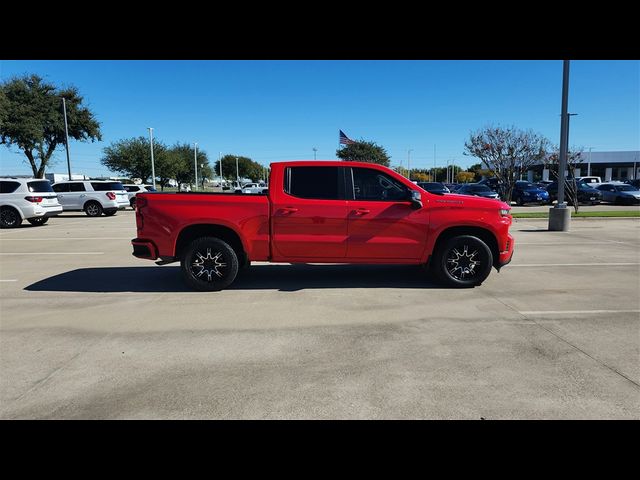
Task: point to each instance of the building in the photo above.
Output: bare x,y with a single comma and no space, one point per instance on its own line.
609,166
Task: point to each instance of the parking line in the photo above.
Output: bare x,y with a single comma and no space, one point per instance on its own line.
571,264
560,312
53,253
63,238
8,280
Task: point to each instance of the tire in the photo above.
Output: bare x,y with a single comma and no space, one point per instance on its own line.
520,202
456,255
209,264
9,218
93,209
132,202
37,221
110,213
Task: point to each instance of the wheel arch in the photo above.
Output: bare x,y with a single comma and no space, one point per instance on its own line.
487,236
227,234
15,207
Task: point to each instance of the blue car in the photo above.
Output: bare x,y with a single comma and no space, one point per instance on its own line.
527,192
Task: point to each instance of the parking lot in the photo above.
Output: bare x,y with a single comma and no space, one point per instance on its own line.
89,331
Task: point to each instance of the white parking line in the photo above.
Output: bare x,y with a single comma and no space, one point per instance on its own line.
63,238
54,253
560,312
8,280
568,243
571,264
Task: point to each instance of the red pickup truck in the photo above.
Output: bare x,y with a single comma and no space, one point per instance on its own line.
325,212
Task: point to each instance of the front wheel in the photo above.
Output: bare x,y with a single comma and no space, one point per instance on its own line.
463,261
209,264
93,209
37,221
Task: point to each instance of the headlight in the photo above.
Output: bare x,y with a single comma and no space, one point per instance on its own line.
504,212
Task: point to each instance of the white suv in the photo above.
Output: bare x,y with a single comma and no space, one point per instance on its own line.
30,198
95,197
133,190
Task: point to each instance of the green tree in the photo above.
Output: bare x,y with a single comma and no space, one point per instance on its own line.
508,152
247,168
181,156
363,151
32,119
132,157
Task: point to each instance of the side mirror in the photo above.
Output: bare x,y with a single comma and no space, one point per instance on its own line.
416,199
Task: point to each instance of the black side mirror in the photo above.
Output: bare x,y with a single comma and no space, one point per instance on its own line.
416,199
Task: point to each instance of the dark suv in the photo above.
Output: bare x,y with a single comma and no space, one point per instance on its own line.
586,194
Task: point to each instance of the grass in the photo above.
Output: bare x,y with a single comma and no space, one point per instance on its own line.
611,213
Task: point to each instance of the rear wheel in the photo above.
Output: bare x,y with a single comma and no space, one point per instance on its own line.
9,217
462,261
132,202
38,221
520,201
209,264
93,209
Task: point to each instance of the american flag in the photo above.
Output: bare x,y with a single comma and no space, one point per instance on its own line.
344,140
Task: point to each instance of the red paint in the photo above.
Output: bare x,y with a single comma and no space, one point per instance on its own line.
283,228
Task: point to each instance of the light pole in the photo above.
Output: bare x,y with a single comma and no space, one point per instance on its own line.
560,215
220,160
589,164
237,173
153,168
195,160
66,133
314,152
435,174
409,162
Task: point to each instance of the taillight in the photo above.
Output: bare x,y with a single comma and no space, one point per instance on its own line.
34,199
111,195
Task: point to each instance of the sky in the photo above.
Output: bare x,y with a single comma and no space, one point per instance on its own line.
281,110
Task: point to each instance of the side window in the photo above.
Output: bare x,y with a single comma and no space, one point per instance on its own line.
76,187
370,184
61,187
313,182
8,187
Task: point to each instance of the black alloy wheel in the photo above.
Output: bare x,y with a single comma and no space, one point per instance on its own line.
93,209
9,218
463,261
209,264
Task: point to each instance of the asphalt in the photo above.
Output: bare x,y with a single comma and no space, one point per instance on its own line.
87,331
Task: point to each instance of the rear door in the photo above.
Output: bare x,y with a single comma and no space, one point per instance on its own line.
382,224
309,220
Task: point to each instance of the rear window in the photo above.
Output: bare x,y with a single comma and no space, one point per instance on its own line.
8,187
40,186
131,188
312,182
103,187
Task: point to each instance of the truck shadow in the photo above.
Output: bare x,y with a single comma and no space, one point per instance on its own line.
284,278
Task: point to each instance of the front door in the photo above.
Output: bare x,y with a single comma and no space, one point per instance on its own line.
382,224
309,221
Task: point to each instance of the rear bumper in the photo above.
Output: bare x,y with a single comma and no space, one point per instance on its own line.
144,249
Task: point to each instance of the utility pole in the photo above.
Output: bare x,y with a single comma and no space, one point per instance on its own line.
220,160
435,174
314,152
195,160
66,133
589,164
237,173
560,215
153,168
409,162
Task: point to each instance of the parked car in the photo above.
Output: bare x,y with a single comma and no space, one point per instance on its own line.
544,184
32,199
94,197
452,186
478,190
133,190
325,212
619,193
494,184
254,188
434,187
585,193
591,181
526,192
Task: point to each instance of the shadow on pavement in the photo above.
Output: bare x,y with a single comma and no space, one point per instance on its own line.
285,278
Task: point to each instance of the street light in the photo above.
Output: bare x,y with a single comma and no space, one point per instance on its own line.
66,133
237,173
195,160
314,152
409,162
153,168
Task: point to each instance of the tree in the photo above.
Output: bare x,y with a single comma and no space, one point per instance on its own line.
574,159
32,119
363,151
132,157
508,152
465,177
181,157
247,168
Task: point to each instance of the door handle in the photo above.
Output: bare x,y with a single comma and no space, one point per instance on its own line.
361,211
289,210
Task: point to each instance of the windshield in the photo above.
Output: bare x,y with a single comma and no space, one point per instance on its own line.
526,186
479,188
